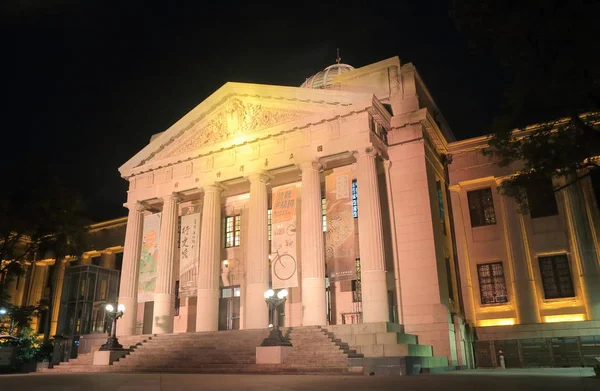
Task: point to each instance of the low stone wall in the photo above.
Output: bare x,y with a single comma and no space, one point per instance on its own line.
539,330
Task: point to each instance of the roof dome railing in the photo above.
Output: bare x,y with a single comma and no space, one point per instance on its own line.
323,79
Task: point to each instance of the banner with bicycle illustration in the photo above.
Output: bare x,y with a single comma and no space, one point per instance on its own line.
339,237
284,268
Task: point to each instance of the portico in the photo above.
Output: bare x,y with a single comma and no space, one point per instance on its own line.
264,187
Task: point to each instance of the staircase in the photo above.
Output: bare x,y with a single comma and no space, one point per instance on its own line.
315,352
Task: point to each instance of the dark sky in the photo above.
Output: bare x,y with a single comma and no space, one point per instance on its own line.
88,82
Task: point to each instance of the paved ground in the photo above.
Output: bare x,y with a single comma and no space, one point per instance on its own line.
510,380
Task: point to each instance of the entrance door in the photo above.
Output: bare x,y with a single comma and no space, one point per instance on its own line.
229,308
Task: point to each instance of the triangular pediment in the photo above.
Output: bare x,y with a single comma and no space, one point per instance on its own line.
239,113
234,118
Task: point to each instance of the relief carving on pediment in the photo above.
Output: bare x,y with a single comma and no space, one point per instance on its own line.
236,117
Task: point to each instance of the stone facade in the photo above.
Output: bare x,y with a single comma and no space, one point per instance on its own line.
547,257
379,124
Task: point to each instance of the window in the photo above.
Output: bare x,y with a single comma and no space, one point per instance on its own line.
232,231
356,284
377,129
96,260
481,207
491,283
440,197
269,224
556,276
324,213
541,199
449,278
354,199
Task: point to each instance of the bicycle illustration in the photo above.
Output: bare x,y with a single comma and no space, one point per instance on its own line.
284,265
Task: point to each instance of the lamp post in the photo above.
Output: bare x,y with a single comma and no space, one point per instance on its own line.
112,343
275,300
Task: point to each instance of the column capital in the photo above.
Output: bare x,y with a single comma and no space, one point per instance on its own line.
135,205
368,152
213,188
174,197
312,166
262,177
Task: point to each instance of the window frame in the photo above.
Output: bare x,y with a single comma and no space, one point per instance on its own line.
235,231
354,196
493,283
555,277
539,200
477,214
441,205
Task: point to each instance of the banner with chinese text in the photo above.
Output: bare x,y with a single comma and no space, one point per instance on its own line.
189,250
149,258
284,267
339,238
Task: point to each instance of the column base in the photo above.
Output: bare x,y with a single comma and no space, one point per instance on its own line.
126,325
314,306
164,308
256,312
207,310
374,296
272,354
107,357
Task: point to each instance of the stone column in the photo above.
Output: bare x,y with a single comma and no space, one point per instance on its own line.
207,309
517,245
164,294
58,285
257,277
370,233
584,248
314,306
128,289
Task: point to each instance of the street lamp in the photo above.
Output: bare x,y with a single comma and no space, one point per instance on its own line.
112,343
3,311
275,301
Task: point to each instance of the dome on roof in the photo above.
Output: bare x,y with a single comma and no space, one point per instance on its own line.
323,78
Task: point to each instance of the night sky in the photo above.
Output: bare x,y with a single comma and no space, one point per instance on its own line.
86,83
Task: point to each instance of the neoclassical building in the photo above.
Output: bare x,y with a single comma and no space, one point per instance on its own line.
335,190
350,192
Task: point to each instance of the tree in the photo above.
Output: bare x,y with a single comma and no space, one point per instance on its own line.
43,218
552,51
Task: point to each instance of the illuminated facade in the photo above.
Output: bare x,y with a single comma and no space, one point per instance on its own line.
525,275
335,190
81,310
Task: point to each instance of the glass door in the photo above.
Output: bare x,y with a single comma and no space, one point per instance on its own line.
229,308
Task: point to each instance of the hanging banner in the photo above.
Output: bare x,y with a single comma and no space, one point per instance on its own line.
284,267
189,250
149,258
339,238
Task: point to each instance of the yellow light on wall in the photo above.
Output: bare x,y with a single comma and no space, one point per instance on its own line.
497,322
564,318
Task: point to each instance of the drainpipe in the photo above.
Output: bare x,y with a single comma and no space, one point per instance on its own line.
387,165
